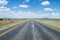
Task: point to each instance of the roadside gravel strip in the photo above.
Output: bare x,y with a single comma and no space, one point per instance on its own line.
10,28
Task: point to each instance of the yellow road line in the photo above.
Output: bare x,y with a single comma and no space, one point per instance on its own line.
9,30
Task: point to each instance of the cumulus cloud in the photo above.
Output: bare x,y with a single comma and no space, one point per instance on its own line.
27,15
10,14
6,12
2,8
48,9
45,3
21,14
3,2
23,6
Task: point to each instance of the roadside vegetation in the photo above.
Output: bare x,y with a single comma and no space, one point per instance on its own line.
7,23
51,23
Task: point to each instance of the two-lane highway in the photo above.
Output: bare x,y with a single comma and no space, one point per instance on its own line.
32,30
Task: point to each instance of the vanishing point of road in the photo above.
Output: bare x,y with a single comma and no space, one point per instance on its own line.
31,30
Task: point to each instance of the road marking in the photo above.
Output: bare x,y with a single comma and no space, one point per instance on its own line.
33,32
33,25
9,30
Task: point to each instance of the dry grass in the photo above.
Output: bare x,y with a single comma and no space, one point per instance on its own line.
5,23
54,24
8,24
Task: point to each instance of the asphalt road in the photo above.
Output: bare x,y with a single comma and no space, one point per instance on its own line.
32,30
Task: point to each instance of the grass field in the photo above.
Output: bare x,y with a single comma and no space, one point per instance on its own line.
52,23
9,23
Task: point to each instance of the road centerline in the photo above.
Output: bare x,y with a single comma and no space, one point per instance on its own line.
33,31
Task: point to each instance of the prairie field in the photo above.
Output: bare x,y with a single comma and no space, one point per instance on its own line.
51,23
4,24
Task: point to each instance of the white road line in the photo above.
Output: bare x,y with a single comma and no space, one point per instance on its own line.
33,25
10,30
33,32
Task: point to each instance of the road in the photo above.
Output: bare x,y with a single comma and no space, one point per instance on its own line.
32,30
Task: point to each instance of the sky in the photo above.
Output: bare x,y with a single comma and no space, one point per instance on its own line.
29,8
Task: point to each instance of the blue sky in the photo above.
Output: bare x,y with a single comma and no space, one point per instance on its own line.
29,8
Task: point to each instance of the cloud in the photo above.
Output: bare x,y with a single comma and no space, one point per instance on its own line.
6,12
21,14
14,7
45,3
51,15
3,2
10,14
48,9
55,14
2,8
27,0
23,6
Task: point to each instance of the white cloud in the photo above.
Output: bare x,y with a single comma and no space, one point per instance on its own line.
21,14
55,14
14,7
6,12
52,15
48,9
23,6
3,2
45,3
27,0
2,8
27,15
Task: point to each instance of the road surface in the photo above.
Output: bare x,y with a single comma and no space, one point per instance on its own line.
32,30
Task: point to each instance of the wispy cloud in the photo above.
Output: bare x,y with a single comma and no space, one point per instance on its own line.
15,7
24,6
